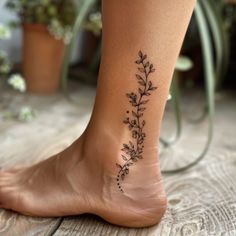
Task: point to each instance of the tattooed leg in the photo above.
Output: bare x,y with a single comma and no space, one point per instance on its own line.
113,170
133,151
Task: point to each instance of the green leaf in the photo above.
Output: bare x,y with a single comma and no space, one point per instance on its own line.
119,166
139,77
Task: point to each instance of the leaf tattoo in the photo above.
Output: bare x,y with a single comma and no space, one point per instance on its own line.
133,150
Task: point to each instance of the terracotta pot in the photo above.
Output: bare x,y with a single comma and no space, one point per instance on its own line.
42,59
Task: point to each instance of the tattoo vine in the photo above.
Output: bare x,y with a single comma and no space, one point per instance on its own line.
133,150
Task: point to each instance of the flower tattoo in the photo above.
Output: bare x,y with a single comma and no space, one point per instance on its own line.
133,150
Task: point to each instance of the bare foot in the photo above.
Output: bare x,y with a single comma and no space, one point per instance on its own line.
82,180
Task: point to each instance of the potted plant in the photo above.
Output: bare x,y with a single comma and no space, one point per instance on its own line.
47,27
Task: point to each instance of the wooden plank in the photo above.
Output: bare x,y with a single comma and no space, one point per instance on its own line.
201,201
12,224
90,225
54,128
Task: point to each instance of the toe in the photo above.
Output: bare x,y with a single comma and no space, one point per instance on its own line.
7,180
5,177
11,170
7,196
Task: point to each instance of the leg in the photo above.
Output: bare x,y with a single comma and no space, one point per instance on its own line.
112,170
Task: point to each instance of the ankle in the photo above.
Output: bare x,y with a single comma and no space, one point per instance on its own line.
106,149
103,153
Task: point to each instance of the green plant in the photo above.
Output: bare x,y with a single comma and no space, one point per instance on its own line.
4,62
58,15
16,81
94,23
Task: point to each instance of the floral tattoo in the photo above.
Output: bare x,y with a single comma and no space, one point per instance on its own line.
133,150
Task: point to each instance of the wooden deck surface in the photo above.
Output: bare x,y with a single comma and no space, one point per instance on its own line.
202,201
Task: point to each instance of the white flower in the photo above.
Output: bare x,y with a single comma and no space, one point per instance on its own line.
17,82
97,16
60,32
68,36
183,63
94,23
26,114
5,32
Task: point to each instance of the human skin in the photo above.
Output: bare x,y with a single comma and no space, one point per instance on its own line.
86,177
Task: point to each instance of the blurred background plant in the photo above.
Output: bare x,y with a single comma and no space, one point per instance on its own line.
47,27
58,15
24,113
16,81
94,23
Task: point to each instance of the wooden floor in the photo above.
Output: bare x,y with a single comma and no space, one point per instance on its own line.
202,201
